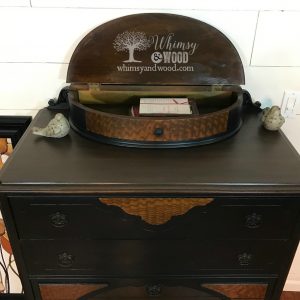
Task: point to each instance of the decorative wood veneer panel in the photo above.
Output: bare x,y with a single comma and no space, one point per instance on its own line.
156,211
175,129
67,291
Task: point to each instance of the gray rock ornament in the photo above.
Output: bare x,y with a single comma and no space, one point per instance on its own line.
58,127
272,118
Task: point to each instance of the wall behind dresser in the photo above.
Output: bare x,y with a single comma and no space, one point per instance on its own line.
38,38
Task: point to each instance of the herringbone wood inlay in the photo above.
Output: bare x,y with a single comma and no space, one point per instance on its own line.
143,128
156,211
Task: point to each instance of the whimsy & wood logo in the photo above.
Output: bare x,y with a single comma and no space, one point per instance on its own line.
166,50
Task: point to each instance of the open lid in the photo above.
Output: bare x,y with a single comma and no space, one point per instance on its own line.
156,49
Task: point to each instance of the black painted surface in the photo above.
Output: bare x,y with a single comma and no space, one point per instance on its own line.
252,160
255,173
86,217
136,258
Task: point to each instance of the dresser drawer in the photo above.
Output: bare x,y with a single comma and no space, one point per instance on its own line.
92,217
196,289
149,257
251,220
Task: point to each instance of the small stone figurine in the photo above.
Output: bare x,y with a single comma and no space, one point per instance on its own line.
58,127
272,118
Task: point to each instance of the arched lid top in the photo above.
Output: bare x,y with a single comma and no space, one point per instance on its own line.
156,49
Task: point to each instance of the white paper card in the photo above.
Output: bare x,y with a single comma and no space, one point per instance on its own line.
172,106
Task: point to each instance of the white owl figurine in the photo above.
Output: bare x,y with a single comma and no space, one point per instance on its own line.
58,127
272,118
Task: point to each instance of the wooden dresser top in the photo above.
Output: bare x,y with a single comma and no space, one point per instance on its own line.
254,160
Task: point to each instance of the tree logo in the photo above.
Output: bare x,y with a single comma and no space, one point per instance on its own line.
131,41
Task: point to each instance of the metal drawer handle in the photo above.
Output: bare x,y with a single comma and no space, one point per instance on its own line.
65,260
58,219
245,259
153,290
253,221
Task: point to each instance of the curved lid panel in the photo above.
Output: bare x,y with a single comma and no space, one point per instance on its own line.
153,48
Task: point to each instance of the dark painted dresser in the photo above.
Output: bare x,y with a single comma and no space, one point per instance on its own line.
93,221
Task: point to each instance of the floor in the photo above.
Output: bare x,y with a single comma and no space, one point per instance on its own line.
290,296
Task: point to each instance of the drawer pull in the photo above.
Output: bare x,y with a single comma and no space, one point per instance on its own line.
65,260
153,290
253,221
58,219
158,131
245,259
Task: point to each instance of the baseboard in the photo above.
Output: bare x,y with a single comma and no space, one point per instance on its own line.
292,285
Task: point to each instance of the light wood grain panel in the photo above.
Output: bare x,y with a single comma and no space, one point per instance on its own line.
156,211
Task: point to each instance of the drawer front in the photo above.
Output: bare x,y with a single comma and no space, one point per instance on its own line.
73,217
153,288
151,257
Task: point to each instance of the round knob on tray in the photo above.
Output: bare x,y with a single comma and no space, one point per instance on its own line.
158,131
